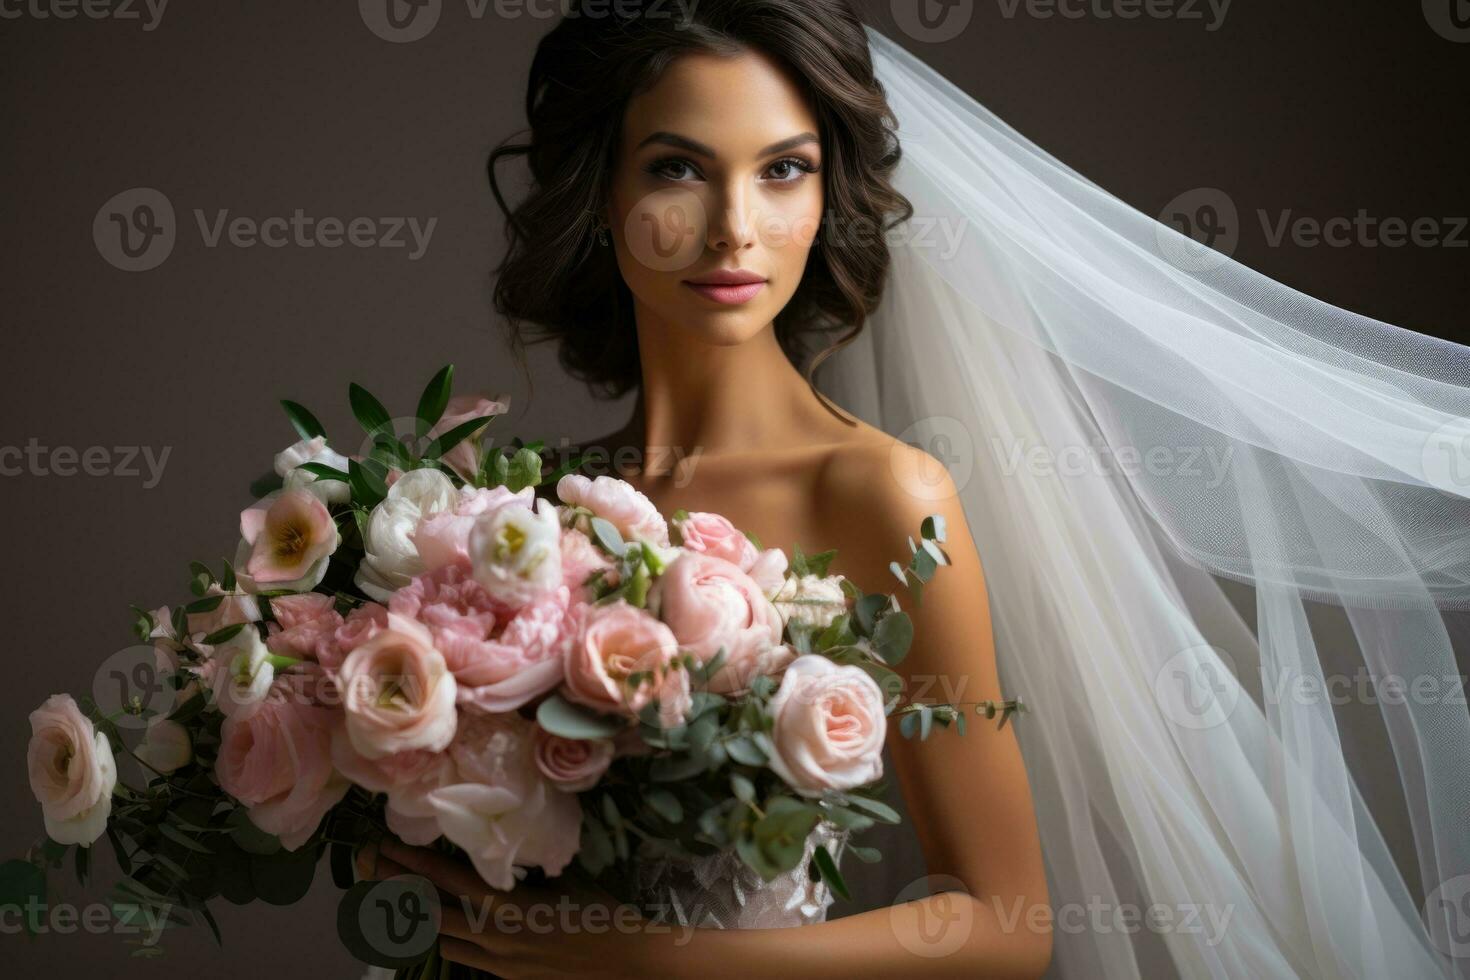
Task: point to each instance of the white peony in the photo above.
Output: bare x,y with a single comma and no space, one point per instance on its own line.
390,559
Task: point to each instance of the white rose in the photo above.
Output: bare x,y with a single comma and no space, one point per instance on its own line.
166,745
516,552
390,558
811,599
315,450
72,771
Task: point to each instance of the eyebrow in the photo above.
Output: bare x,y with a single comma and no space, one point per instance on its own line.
685,143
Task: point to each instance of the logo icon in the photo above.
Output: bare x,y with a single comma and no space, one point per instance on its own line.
400,21
666,231
1449,18
945,439
1447,909
135,230
133,685
1447,457
1209,228
1196,687
936,928
933,21
390,923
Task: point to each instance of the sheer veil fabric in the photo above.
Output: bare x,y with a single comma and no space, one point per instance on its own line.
1131,418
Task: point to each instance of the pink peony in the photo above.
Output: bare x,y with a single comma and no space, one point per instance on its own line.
711,534
362,624
710,604
501,657
617,502
306,625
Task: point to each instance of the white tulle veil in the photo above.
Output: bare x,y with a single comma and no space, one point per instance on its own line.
1132,418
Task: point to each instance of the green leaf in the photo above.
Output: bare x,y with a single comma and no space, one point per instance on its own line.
828,867
250,838
223,634
324,472
344,876
442,444
743,750
665,804
561,717
607,535
434,399
867,855
283,878
933,528
302,421
882,811
368,411
183,839
865,612
207,604
368,486
743,788
893,636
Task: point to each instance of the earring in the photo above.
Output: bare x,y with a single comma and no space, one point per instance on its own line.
602,235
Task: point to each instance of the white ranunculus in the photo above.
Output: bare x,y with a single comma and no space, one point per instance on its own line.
516,552
166,745
242,674
390,558
811,599
313,451
72,771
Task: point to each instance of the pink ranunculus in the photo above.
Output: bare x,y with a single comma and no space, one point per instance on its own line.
287,539
235,607
580,559
466,456
362,624
276,758
712,534
612,643
306,625
397,692
504,813
502,657
72,771
768,571
617,502
710,604
828,726
443,537
406,777
573,764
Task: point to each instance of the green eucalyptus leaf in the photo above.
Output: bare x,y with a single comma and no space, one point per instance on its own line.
561,717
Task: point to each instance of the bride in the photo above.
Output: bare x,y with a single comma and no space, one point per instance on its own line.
1112,419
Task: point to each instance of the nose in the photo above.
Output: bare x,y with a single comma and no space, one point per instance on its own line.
732,224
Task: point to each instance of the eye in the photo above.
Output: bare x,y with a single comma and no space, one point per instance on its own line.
672,168
789,170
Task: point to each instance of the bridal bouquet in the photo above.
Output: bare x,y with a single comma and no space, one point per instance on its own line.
411,639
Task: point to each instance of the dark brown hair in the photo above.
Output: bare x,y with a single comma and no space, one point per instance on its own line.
554,278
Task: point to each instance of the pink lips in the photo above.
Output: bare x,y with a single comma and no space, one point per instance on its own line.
729,286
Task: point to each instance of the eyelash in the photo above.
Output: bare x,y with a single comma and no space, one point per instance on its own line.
805,167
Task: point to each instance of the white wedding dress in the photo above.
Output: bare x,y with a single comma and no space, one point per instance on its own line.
1132,418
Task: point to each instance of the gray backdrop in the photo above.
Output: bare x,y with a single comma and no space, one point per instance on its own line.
236,110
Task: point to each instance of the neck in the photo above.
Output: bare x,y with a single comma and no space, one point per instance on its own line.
709,399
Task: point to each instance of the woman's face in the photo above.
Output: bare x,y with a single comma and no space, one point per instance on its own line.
718,174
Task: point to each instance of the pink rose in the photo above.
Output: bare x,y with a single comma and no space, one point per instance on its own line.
617,502
276,758
612,643
504,813
397,692
573,764
306,625
443,537
711,534
72,771
466,456
710,604
828,727
501,657
287,538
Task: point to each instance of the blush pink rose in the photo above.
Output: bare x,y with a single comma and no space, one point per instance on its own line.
573,764
612,643
276,758
397,692
504,812
501,657
712,534
72,771
617,502
466,456
710,604
828,726
443,537
306,625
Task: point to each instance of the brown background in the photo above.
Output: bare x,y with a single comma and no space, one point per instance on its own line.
268,106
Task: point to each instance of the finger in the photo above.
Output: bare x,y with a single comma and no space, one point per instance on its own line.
453,876
366,859
388,869
466,954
